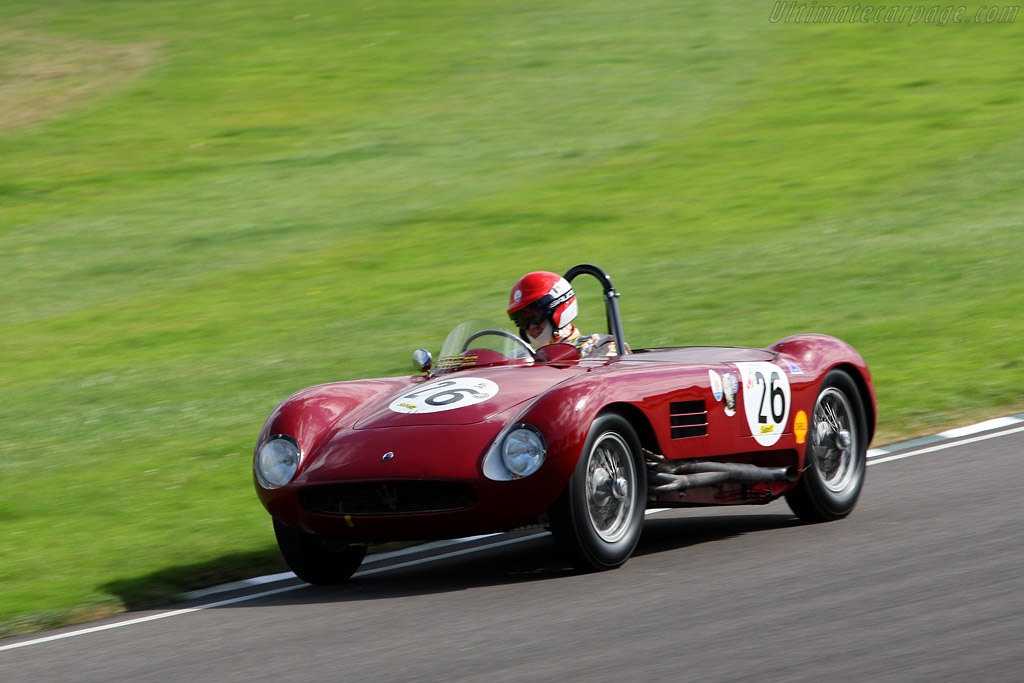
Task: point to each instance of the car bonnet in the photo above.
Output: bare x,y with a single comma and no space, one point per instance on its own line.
466,397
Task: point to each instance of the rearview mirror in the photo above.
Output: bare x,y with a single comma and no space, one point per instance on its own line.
422,360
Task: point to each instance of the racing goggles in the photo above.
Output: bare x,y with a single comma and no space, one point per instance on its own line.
531,315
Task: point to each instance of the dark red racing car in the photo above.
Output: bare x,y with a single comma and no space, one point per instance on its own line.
497,436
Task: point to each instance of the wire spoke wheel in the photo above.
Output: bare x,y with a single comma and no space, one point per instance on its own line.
598,518
611,478
834,440
836,455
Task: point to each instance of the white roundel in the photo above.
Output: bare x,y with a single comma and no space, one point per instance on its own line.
766,400
447,394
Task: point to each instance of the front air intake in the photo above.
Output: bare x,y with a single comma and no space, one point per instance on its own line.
388,498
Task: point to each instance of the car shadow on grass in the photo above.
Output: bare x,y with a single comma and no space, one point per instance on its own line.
164,586
535,559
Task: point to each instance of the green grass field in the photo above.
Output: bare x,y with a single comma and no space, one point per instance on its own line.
205,206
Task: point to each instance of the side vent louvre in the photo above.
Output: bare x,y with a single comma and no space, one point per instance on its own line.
688,419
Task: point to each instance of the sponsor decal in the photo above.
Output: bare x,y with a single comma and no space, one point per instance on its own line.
561,298
517,296
766,400
800,426
387,456
442,395
730,387
724,388
449,362
716,384
793,368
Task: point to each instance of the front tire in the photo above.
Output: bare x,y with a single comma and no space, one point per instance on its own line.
315,559
598,518
836,453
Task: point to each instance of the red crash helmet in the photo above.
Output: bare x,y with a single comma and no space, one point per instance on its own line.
539,296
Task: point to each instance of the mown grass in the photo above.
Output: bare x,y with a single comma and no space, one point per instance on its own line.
256,197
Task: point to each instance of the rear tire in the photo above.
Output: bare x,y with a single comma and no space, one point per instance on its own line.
836,453
599,516
316,559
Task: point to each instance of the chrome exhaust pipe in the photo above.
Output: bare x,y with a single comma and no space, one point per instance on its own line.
677,476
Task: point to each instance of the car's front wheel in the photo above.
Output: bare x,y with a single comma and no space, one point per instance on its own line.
315,559
598,518
836,453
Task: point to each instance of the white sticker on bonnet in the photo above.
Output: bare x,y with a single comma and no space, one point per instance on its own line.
448,394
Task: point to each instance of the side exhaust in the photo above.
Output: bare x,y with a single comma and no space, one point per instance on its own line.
665,476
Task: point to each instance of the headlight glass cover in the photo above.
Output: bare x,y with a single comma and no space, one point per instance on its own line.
277,460
523,450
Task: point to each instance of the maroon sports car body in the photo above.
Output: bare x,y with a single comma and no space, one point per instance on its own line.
499,436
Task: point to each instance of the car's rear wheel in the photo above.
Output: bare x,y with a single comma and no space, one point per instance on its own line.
836,453
316,559
598,518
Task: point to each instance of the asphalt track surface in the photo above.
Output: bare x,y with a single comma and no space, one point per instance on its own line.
923,582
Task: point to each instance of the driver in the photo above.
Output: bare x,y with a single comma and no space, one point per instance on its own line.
543,306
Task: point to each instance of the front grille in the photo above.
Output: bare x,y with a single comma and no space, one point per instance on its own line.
388,498
688,419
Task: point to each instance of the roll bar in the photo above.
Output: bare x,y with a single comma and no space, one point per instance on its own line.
611,300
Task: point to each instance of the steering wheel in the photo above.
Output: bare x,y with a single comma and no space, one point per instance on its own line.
498,333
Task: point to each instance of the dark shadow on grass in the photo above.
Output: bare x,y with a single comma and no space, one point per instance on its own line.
166,585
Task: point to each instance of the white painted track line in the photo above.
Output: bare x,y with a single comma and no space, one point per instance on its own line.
985,426
942,446
142,620
284,576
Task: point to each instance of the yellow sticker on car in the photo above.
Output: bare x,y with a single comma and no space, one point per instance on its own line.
800,426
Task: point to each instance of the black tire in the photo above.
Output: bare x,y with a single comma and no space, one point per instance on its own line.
837,442
598,518
315,559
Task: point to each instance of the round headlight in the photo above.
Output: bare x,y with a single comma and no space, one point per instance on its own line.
523,450
277,460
